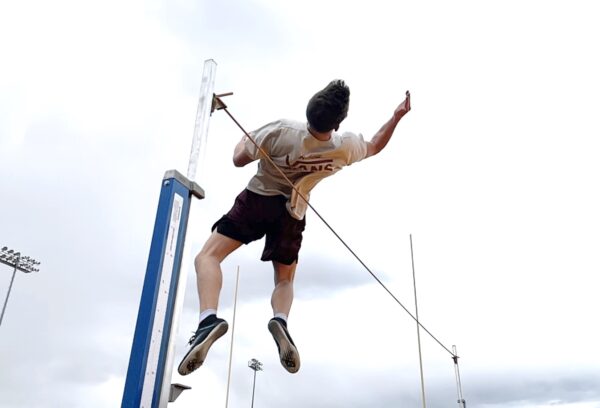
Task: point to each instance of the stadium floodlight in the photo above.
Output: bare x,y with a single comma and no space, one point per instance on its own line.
18,263
255,365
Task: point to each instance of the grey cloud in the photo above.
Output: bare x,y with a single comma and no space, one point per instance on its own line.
364,388
529,388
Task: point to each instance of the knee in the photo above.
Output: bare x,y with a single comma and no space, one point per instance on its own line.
284,278
203,257
284,281
284,274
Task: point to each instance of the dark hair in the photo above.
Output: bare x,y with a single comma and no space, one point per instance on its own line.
328,107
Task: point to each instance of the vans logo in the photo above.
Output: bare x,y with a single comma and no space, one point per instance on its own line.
310,165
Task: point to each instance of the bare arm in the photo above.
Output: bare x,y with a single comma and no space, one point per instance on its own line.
240,157
383,136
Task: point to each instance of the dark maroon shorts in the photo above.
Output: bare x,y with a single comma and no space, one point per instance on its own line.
254,216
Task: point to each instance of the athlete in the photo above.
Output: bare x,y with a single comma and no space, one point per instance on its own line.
306,153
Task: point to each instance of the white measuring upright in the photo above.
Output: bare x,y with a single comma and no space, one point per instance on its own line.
148,381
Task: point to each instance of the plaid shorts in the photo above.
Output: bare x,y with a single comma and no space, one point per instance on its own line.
254,216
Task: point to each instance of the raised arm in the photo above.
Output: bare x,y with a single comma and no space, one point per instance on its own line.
383,136
240,157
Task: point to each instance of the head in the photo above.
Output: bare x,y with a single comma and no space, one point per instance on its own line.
328,107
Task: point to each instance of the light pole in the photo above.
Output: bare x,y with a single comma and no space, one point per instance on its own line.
19,263
255,365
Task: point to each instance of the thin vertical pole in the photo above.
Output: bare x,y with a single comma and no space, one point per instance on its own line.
461,401
8,293
253,388
237,280
418,325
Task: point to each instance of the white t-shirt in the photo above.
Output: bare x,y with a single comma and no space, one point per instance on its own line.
304,159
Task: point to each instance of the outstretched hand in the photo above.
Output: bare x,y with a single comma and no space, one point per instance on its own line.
403,108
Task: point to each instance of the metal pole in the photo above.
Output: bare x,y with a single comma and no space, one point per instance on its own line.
461,401
418,325
237,282
19,263
8,293
253,387
255,365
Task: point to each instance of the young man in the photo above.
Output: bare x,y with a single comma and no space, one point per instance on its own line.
306,153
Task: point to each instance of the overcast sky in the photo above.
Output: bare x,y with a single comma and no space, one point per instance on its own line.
494,172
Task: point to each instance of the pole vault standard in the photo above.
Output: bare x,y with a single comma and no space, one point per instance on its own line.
148,382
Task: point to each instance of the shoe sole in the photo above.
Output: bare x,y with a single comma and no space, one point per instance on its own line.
196,356
288,353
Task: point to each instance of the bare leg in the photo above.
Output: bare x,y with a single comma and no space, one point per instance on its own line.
281,301
208,268
283,294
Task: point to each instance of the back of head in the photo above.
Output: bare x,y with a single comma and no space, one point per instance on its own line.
328,107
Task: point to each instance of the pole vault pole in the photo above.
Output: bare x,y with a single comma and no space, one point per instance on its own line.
148,381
